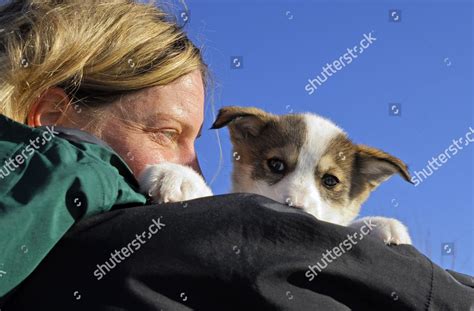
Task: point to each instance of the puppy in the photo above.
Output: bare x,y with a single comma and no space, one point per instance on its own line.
309,163
302,160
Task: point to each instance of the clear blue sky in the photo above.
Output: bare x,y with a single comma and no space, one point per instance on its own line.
423,62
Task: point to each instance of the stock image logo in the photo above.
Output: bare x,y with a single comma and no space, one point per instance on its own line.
447,249
395,110
338,64
395,16
236,62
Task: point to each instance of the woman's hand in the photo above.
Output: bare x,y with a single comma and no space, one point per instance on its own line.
169,182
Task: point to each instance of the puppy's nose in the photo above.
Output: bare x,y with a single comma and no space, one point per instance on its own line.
293,202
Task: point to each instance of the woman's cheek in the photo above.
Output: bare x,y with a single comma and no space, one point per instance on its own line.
138,151
144,156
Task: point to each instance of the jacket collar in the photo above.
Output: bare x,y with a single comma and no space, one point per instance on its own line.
77,136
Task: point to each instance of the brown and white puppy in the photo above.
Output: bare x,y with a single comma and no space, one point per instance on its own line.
302,160
308,162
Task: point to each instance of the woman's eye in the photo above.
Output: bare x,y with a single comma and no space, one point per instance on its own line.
165,136
170,134
277,166
330,180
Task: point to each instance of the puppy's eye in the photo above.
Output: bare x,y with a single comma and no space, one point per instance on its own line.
330,180
276,165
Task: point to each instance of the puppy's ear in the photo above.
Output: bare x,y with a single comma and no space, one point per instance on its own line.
242,121
377,166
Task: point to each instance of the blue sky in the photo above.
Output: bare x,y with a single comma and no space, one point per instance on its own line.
424,62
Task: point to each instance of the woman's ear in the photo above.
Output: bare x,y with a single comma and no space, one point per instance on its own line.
242,121
49,108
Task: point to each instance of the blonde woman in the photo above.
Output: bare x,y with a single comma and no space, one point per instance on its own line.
90,93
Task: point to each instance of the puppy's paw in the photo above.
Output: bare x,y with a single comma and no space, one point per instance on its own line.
389,230
169,182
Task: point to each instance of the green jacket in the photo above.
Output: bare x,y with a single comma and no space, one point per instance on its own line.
46,184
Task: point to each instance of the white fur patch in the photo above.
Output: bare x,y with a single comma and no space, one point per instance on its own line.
169,182
300,186
390,230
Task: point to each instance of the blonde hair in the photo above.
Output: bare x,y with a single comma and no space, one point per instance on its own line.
95,50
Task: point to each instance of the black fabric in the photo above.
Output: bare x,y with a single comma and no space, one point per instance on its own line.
232,252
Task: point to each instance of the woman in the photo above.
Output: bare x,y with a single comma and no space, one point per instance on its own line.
63,66
91,92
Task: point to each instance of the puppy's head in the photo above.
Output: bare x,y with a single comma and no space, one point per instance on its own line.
305,161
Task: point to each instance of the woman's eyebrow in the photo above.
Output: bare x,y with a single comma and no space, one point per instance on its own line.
159,117
163,115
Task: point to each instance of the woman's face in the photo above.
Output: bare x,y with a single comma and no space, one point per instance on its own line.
157,124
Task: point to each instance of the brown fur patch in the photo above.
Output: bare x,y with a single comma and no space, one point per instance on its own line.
359,168
258,136
251,116
337,161
281,137
386,166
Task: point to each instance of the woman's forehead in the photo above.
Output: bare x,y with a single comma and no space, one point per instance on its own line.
183,99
